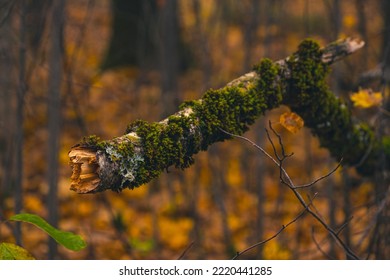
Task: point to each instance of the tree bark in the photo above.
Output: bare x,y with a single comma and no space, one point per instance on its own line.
19,134
169,50
380,239
7,118
147,149
54,114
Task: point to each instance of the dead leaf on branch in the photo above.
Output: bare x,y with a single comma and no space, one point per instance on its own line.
291,121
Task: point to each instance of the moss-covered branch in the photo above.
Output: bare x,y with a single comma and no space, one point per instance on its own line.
147,149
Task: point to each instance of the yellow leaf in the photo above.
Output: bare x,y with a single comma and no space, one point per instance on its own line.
291,121
349,21
275,251
366,98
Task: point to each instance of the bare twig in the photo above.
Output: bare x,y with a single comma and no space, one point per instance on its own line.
117,231
253,144
186,250
290,184
320,178
286,180
342,227
275,235
374,220
319,246
284,155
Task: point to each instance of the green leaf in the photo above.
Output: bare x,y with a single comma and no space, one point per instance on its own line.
67,239
9,251
143,246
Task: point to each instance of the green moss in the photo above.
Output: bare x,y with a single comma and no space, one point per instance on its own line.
93,142
268,83
235,108
163,145
386,145
176,141
126,148
328,118
90,141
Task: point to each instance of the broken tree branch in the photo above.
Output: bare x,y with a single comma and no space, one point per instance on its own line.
147,149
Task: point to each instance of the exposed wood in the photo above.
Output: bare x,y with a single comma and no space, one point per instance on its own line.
84,164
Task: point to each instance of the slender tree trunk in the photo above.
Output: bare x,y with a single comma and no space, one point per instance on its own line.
381,235
203,52
36,21
203,55
19,134
7,119
335,19
169,55
347,207
306,142
169,52
362,28
220,187
259,168
250,31
54,113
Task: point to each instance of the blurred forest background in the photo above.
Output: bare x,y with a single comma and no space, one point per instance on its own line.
73,68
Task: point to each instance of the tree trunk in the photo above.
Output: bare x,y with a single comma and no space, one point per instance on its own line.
7,118
133,34
19,134
362,28
169,51
380,243
335,14
54,113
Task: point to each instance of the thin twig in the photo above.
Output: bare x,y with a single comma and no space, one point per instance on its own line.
273,146
279,139
238,254
320,178
374,220
186,250
319,246
290,184
253,144
286,180
118,232
342,227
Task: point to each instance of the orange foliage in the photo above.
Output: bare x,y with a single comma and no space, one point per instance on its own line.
213,207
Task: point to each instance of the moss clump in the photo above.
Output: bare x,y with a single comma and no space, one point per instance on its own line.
231,109
119,151
328,118
308,95
235,108
268,83
163,145
91,141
